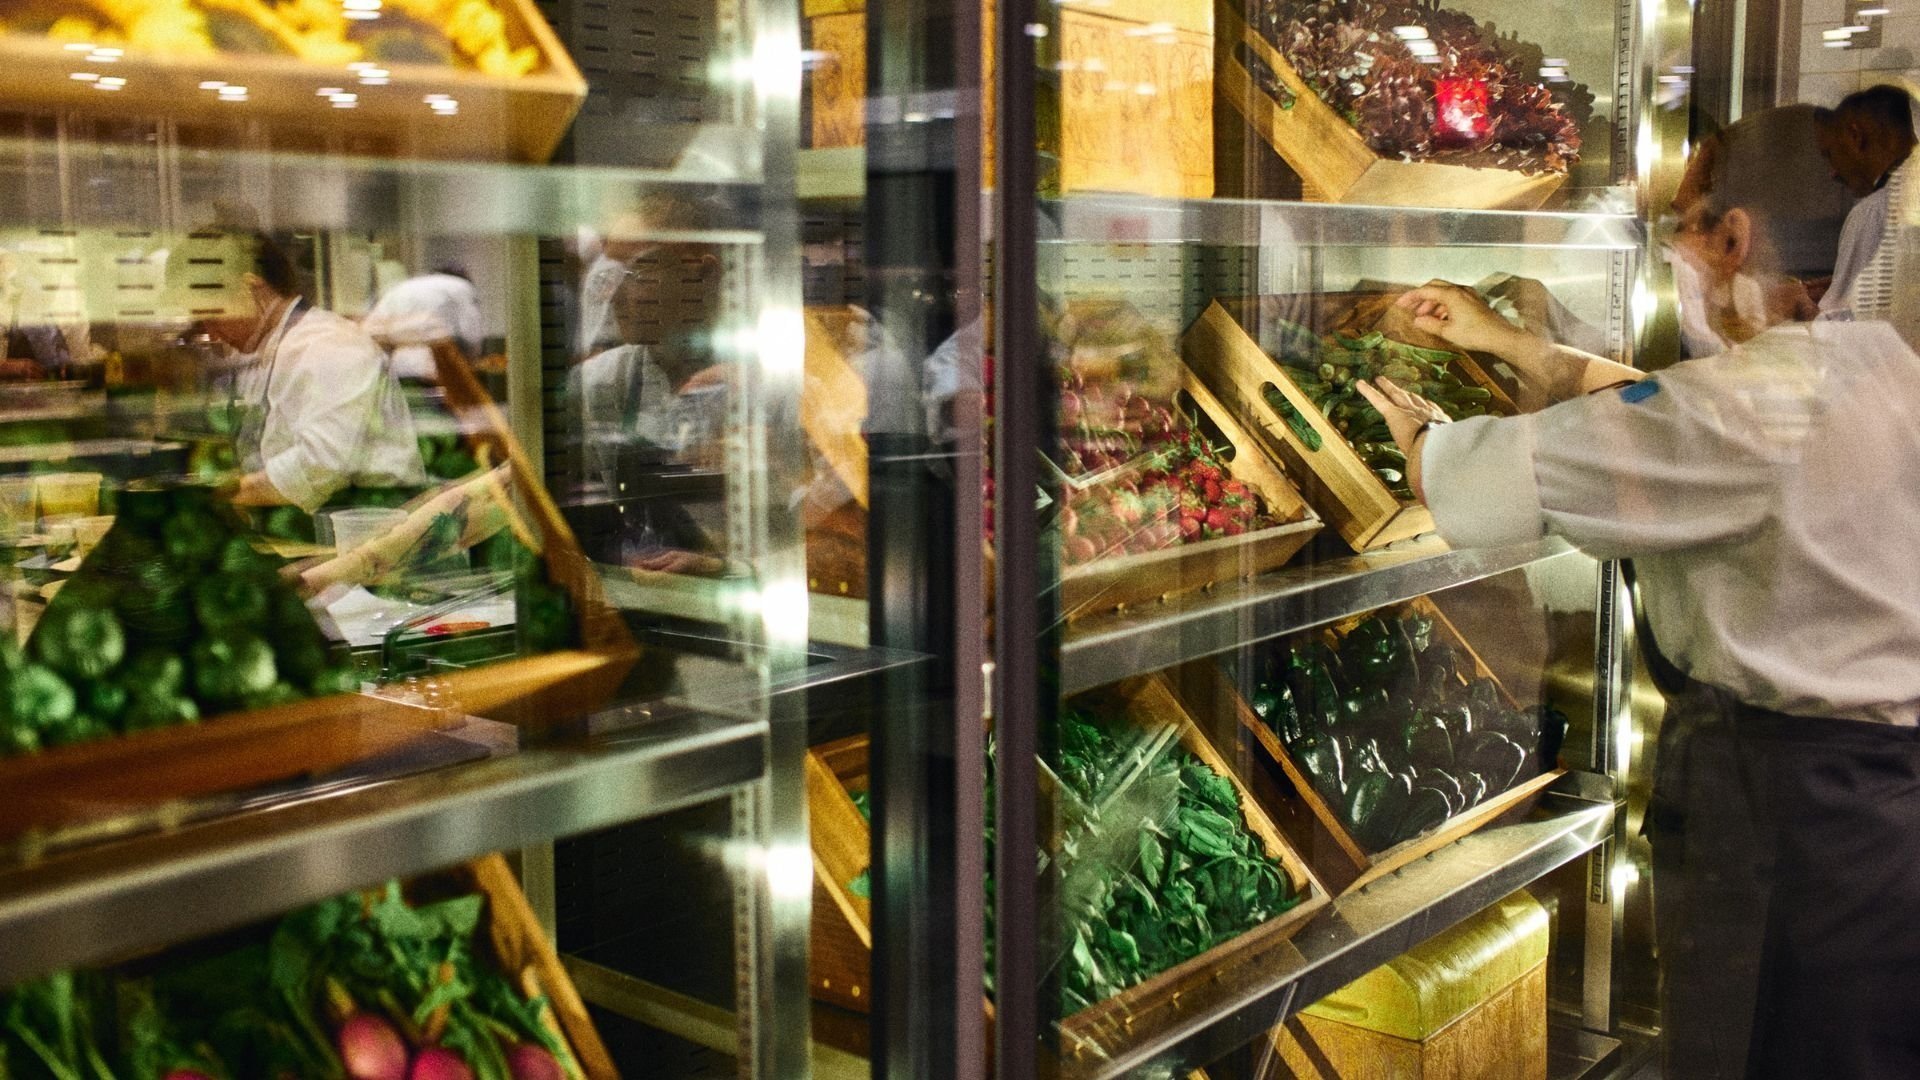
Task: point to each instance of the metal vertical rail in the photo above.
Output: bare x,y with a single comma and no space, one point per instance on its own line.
924,537
1022,694
779,1016
1609,748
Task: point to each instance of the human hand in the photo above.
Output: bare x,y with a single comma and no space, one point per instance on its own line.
1457,315
1405,412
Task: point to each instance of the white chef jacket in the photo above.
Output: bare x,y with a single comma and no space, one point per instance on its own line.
428,308
1860,238
623,397
1768,497
331,416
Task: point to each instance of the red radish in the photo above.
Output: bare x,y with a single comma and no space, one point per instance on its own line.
439,1063
371,1050
530,1062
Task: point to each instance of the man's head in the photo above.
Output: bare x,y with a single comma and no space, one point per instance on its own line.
1749,224
268,280
1867,135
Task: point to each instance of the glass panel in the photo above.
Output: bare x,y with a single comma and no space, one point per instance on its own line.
398,419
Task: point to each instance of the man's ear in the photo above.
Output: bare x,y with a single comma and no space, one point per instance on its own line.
1733,241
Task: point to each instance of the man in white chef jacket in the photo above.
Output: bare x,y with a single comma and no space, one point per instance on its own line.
1767,497
318,411
1867,141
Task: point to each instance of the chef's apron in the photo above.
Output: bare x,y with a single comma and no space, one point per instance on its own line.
1786,855
290,522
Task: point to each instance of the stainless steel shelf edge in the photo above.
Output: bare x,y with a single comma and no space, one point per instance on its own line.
369,194
1362,930
100,904
1101,649
1141,219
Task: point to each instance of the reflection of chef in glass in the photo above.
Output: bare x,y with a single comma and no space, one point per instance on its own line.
657,402
317,412
661,391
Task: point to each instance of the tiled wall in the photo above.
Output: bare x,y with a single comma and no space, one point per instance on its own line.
1827,75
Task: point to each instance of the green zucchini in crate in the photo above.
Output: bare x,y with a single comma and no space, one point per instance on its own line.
1393,730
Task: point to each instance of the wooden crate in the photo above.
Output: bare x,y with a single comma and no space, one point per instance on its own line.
833,412
1205,681
139,780
1469,1004
842,921
1112,137
499,119
1334,162
1338,483
1151,576
523,952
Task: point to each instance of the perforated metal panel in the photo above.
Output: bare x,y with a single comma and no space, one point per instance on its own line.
648,67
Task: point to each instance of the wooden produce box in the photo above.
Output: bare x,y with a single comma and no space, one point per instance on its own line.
1113,135
1471,1002
842,921
134,781
1205,681
1334,162
1151,576
519,118
833,413
521,948
1222,345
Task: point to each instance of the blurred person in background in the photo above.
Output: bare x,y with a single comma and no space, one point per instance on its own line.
317,415
1867,141
34,349
441,305
1761,494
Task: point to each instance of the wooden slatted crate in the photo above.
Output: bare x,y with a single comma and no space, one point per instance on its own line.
1148,577
1223,347
498,118
842,920
1334,162
1205,682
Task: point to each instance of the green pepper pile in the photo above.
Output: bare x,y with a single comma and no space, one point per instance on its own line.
174,617
1327,369
298,1001
1393,728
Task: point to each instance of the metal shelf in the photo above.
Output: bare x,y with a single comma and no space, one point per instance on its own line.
104,902
1134,219
1100,649
369,194
1257,989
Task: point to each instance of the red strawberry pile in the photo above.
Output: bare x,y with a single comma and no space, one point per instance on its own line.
1179,492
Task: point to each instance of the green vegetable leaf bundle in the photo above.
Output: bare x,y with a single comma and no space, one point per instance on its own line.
173,618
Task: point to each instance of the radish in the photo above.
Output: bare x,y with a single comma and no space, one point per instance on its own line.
371,1050
530,1062
439,1063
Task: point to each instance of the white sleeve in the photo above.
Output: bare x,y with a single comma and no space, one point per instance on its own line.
328,392
1665,464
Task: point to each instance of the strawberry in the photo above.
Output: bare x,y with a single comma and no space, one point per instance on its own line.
1217,519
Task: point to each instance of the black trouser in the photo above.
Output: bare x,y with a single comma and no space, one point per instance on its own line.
1787,893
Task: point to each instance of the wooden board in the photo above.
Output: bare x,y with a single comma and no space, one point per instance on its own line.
524,952
1209,682
1220,347
137,776
499,119
1112,135
1151,576
841,843
1504,1038
1333,160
